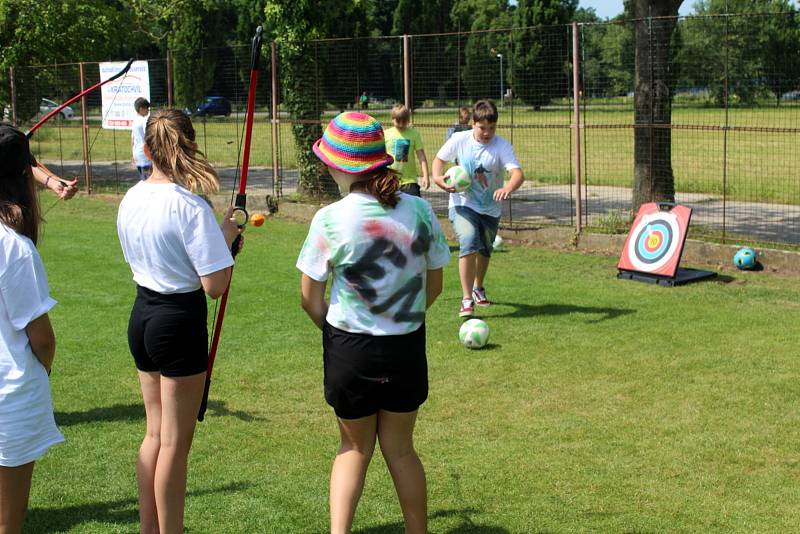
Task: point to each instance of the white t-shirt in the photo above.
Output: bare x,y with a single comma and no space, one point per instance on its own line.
379,257
137,140
27,427
169,237
492,159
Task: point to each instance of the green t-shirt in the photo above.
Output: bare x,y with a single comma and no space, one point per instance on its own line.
403,146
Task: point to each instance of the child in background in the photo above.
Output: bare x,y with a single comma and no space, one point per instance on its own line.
27,342
178,254
140,160
403,143
464,115
475,213
384,251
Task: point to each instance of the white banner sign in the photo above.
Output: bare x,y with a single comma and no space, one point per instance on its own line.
119,95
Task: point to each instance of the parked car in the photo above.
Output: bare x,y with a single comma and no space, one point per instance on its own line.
46,106
213,105
791,95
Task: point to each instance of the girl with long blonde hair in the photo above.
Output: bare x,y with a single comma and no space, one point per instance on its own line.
178,254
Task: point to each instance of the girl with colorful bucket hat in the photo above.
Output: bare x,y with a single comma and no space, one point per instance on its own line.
27,342
384,252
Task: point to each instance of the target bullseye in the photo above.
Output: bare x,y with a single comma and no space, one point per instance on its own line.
653,241
654,245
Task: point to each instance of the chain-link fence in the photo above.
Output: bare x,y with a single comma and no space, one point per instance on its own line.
709,112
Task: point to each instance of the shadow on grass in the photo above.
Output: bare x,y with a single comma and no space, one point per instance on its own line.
466,527
135,412
119,512
528,310
488,346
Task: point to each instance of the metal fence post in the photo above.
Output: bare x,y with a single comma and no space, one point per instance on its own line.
169,78
576,124
13,85
407,97
276,184
87,165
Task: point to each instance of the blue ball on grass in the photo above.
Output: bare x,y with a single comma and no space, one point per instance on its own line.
745,258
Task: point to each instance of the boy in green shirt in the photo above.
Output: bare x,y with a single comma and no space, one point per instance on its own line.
404,143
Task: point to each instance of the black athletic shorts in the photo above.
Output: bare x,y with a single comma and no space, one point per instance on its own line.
365,374
411,189
168,333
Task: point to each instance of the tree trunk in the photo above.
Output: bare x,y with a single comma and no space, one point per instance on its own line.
653,177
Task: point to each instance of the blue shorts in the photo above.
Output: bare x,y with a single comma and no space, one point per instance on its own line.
475,231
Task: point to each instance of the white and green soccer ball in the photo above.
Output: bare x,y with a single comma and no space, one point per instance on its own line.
458,178
474,334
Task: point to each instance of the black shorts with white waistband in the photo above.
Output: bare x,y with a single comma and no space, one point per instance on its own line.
365,373
168,334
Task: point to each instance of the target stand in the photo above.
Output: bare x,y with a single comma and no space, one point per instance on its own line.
654,246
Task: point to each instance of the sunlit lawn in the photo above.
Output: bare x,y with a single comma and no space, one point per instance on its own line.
599,405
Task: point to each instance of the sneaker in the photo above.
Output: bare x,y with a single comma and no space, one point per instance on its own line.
467,308
479,295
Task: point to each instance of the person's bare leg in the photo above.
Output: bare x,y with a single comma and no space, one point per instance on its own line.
15,488
466,273
350,469
148,452
396,436
180,402
481,266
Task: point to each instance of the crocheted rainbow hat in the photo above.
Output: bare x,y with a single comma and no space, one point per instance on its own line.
353,143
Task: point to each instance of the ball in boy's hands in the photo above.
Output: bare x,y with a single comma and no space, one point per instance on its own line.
474,334
458,178
257,219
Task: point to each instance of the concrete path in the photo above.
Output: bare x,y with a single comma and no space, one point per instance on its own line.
535,203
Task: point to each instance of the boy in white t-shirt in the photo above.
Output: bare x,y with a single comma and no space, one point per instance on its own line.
140,159
475,213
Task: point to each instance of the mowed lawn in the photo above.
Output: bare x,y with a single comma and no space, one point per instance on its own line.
599,406
752,166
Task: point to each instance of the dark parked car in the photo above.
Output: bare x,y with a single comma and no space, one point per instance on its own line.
213,105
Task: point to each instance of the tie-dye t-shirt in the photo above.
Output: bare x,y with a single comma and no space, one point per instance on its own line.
379,258
492,160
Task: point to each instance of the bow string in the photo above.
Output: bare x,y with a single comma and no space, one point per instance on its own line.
240,208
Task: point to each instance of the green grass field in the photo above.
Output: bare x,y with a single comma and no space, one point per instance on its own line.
760,166
599,406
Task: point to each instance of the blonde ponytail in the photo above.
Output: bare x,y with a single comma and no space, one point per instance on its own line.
170,137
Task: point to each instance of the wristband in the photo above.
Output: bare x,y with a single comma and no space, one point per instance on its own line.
47,181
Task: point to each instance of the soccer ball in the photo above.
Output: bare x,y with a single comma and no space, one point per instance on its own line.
458,178
474,334
745,258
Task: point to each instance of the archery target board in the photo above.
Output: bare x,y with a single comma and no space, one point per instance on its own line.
655,241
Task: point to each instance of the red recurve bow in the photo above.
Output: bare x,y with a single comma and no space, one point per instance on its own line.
240,206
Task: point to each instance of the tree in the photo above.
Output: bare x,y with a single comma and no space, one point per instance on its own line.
41,33
781,50
541,49
653,177
294,24
429,53
742,57
480,74
195,31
